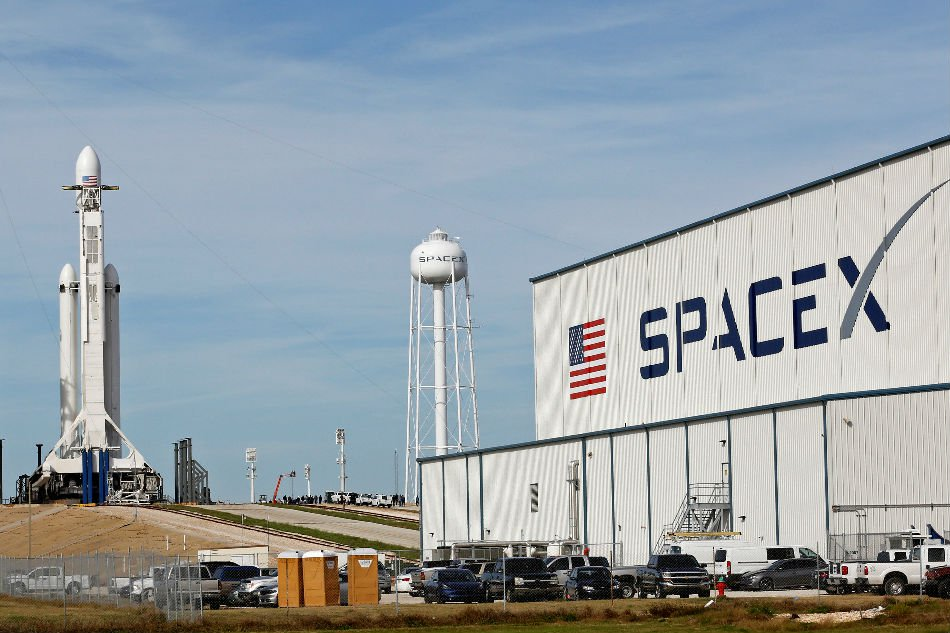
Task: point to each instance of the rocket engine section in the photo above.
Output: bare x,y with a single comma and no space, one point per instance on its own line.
93,459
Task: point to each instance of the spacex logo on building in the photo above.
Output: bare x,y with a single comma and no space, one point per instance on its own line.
752,343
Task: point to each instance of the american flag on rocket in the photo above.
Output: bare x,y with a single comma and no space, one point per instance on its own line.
90,181
587,354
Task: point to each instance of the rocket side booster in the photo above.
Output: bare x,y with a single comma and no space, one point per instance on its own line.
68,352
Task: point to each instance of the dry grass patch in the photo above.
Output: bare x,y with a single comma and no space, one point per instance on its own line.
641,616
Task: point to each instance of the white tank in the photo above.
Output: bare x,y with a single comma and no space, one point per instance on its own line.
433,261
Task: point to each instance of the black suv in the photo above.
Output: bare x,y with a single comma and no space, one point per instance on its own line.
520,577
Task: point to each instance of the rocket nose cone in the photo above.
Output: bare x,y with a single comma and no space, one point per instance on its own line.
67,274
88,168
110,274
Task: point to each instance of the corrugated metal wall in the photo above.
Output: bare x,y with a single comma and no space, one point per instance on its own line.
474,498
431,512
753,476
456,501
667,475
708,451
599,516
889,450
507,478
801,476
880,450
833,231
632,504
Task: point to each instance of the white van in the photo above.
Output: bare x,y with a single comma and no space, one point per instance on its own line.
704,550
735,561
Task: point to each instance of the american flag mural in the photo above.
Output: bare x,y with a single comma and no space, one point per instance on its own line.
587,355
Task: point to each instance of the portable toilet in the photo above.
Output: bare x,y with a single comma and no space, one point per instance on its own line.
321,579
363,576
290,579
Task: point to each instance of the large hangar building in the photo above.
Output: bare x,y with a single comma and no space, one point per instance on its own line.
787,361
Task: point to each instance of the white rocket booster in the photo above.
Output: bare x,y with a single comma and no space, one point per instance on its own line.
68,352
88,460
89,329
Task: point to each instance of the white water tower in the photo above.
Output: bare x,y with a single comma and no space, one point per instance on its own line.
442,410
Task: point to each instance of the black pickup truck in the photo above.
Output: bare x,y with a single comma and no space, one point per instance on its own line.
520,577
666,574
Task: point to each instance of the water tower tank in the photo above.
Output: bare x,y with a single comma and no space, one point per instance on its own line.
433,261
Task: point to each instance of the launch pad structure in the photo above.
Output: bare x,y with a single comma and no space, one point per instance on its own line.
93,461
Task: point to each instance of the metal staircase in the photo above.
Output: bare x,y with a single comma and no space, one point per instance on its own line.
704,513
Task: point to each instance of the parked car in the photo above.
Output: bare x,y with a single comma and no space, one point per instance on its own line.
782,574
893,578
667,574
520,577
734,560
248,592
214,565
452,584
383,501
937,582
267,595
562,565
47,580
591,583
385,580
142,589
231,576
842,577
418,579
404,580
186,584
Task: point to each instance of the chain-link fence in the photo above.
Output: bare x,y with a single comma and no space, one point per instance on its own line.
176,585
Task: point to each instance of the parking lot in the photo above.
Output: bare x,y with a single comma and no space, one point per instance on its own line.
405,598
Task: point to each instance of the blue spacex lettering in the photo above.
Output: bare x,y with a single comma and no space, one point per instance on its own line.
756,344
861,297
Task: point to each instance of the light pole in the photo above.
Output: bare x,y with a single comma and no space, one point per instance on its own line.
1,469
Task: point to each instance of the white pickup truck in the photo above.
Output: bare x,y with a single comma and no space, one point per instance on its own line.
47,580
894,577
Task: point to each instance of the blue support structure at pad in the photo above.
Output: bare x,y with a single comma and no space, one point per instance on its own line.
103,476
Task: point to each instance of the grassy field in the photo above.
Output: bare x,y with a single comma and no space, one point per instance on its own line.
342,539
641,616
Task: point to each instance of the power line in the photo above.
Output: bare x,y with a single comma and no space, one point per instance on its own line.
26,263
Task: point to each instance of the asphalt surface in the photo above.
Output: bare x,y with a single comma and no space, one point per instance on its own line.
401,537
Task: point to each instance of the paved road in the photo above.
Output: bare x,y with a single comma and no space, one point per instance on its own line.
401,537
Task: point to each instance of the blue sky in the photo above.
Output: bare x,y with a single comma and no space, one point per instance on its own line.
278,162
